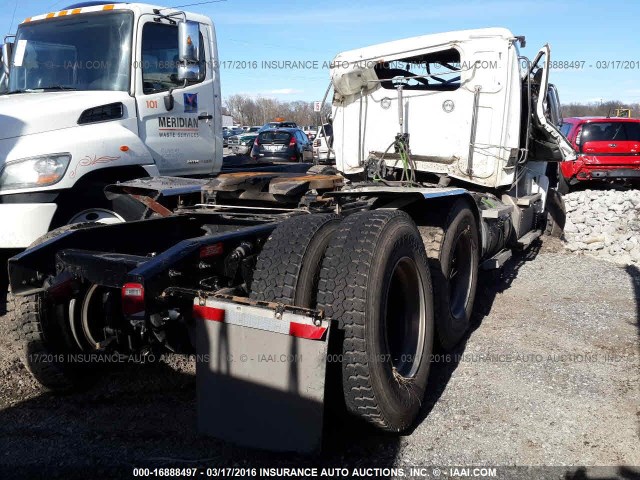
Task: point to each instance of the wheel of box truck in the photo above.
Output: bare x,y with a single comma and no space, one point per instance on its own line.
452,248
288,267
375,283
556,216
44,335
97,215
88,203
120,210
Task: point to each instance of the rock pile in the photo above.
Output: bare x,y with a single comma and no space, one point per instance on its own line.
605,224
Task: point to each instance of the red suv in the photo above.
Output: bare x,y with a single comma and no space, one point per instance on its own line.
609,149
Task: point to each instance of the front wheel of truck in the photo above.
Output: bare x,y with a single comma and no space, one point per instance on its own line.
103,211
87,202
375,284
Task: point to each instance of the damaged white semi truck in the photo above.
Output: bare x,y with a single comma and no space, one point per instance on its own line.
294,287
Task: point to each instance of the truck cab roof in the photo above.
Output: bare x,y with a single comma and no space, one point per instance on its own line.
98,6
407,45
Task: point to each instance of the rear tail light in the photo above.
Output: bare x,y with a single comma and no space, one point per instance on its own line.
211,250
256,142
316,142
292,142
133,299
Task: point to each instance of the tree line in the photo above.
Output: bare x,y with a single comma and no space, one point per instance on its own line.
598,109
247,110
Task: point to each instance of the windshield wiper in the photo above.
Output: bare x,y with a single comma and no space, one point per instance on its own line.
31,90
57,87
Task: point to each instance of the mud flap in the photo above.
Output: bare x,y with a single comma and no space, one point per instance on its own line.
260,375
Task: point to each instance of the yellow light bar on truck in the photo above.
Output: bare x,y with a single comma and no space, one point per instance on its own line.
75,11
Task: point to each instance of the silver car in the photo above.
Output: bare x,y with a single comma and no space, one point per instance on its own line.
242,144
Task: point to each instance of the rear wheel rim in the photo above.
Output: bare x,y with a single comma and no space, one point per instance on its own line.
92,308
460,275
405,318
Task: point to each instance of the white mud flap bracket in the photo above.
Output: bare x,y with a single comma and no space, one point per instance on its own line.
260,373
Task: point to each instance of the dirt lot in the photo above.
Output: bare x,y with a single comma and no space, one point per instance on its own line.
549,376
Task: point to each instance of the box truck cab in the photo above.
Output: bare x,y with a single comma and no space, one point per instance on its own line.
96,93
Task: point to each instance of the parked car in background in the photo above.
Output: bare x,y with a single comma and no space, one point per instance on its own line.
310,131
242,144
323,144
229,132
282,144
269,125
609,150
254,129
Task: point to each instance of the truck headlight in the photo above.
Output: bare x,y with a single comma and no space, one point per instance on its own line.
34,171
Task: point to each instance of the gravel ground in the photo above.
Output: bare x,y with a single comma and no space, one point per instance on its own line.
604,224
549,376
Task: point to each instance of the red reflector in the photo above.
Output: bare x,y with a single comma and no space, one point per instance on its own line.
211,250
302,330
208,313
132,298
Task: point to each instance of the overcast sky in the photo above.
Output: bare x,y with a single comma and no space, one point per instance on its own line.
279,30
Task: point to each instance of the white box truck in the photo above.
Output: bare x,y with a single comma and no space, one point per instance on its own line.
99,92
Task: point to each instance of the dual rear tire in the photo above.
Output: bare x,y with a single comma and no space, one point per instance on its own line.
375,283
453,251
51,338
373,277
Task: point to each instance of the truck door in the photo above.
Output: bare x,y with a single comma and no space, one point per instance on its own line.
181,137
547,116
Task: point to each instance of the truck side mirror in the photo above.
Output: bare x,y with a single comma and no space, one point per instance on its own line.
7,50
189,50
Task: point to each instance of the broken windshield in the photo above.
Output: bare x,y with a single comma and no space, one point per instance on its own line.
432,71
80,52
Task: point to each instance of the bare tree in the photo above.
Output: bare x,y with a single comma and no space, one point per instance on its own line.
600,109
247,110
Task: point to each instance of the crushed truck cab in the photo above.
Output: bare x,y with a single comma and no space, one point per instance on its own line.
459,99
